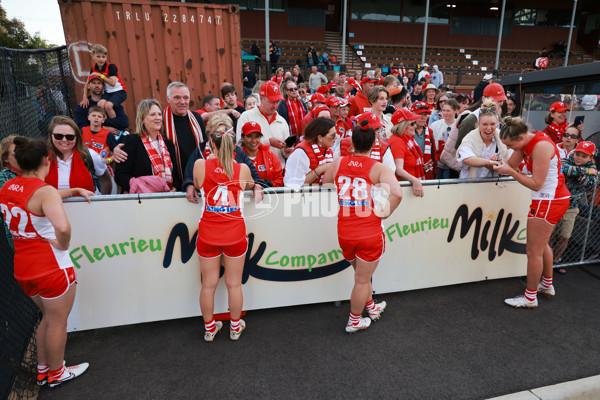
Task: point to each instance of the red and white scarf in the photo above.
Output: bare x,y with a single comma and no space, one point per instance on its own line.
416,151
322,158
376,151
295,114
556,131
427,153
172,136
161,162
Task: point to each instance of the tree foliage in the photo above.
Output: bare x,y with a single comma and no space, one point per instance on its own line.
14,35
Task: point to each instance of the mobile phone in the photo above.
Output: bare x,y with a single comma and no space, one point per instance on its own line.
578,120
291,140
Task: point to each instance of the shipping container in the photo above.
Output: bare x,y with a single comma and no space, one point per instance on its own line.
155,43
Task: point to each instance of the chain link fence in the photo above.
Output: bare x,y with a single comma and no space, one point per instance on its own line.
35,85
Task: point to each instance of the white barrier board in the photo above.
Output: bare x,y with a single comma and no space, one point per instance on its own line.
136,260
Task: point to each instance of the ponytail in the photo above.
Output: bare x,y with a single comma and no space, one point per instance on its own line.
224,143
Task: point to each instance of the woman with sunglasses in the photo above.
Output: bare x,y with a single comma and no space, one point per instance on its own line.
550,200
570,139
440,99
221,230
406,152
150,155
482,149
74,170
556,119
34,213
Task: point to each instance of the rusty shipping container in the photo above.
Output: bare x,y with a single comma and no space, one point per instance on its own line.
155,43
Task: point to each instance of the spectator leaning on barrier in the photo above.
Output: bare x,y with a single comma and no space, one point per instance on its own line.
441,130
266,163
274,128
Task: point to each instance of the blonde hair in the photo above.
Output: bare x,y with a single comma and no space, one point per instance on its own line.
223,142
399,129
5,149
98,49
142,112
216,121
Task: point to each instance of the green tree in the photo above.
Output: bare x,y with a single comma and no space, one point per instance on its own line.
14,35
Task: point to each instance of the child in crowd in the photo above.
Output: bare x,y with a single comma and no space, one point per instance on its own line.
114,88
580,177
95,137
251,101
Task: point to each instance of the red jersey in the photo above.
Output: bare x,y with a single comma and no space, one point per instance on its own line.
359,104
399,148
554,186
356,219
34,256
96,141
267,165
222,220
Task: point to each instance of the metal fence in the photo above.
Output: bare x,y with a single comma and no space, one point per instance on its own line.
35,85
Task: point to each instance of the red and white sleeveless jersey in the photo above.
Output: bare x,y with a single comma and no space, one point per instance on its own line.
222,220
356,219
34,256
554,186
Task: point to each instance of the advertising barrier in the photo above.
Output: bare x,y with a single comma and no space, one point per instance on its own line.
136,257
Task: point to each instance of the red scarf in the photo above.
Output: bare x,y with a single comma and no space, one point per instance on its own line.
416,151
324,155
428,153
556,131
295,114
172,136
161,162
79,178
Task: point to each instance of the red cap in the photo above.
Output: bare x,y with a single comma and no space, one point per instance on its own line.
344,102
251,127
368,79
559,106
373,121
92,77
395,71
586,147
318,109
420,107
332,101
323,89
271,91
427,75
332,84
352,81
402,115
317,98
495,91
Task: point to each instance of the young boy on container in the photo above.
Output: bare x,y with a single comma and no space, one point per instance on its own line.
114,88
580,177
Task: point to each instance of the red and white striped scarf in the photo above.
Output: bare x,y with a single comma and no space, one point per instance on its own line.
172,136
428,149
416,151
324,155
161,164
376,151
295,114
556,131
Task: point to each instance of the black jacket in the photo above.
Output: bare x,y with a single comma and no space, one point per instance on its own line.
138,163
121,122
283,110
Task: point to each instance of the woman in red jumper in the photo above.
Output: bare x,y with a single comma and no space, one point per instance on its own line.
265,161
556,119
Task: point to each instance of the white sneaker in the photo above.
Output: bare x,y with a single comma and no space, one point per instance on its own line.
209,336
377,310
521,302
70,373
548,292
235,335
363,323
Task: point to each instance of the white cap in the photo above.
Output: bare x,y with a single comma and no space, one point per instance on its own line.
425,65
487,77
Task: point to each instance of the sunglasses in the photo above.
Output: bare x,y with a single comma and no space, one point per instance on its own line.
570,136
421,107
489,110
293,89
413,124
60,136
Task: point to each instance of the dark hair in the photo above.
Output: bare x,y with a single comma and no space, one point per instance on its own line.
30,153
517,111
97,109
453,104
397,98
512,128
317,127
363,139
208,98
225,90
79,146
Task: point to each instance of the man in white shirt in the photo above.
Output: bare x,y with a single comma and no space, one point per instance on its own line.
274,128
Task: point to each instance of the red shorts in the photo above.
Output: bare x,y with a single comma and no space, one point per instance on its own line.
207,250
50,286
368,250
550,211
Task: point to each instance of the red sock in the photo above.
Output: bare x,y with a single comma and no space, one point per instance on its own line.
210,326
370,305
354,318
235,324
546,281
531,295
42,371
56,374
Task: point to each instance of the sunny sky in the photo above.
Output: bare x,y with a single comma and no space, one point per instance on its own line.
38,16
